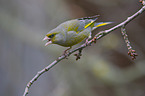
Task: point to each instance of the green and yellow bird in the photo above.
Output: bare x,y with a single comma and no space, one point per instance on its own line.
73,31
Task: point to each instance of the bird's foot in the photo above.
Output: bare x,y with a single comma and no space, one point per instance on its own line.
65,53
87,41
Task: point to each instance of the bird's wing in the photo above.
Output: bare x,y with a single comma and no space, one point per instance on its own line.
80,25
88,21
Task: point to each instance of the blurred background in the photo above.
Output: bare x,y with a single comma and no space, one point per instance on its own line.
105,69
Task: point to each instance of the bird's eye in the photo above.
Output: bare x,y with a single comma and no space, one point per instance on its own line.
51,36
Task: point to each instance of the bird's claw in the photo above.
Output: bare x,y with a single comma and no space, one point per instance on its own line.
65,53
87,42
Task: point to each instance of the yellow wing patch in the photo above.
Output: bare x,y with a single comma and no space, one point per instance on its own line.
101,24
89,24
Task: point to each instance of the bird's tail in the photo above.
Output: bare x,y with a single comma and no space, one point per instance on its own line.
99,24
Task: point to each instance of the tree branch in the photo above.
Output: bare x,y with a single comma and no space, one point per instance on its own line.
96,37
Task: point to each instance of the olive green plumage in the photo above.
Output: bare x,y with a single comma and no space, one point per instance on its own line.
74,31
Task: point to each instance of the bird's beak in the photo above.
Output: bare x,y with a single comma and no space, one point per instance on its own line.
49,40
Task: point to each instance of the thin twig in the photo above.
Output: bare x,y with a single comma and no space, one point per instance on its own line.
131,52
97,36
79,54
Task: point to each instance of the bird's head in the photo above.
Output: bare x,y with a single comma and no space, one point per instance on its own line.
50,37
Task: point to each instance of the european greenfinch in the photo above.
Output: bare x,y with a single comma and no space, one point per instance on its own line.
73,31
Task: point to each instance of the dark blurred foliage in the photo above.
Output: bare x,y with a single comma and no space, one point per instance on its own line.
105,69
